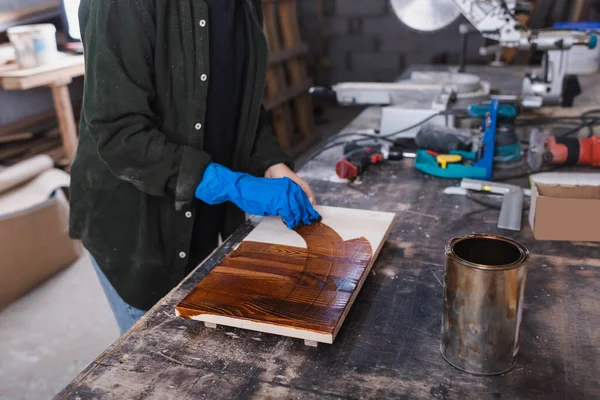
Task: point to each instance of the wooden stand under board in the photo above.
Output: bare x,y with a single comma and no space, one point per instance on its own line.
300,283
287,96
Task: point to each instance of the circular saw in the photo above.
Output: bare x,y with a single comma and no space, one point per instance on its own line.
426,15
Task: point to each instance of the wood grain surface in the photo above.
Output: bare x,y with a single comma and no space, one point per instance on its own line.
286,290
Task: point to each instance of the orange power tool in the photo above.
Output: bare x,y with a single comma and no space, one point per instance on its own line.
547,149
573,151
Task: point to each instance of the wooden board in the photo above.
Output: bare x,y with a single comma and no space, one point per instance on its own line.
298,283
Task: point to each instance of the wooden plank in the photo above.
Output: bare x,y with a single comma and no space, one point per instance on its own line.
298,283
63,61
296,68
288,54
16,137
281,115
67,68
287,94
35,123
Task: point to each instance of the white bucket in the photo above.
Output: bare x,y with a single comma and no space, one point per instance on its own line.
35,45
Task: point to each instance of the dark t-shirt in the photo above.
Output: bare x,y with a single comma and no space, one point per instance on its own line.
227,59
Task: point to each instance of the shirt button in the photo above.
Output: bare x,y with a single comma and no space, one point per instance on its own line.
198,126
188,214
202,23
182,255
203,77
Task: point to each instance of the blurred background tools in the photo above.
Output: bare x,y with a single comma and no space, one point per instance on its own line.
511,210
358,157
545,149
478,164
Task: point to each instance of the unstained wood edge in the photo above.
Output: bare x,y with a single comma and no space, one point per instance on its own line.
262,327
308,336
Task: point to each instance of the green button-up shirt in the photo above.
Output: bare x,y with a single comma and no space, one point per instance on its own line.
140,155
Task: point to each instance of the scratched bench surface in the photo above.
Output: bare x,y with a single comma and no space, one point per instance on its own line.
388,346
299,284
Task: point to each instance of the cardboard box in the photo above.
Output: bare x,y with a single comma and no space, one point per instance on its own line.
34,237
565,206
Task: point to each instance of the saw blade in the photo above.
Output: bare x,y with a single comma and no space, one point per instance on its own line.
426,15
537,145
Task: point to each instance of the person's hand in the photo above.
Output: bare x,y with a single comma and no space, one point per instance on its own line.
259,196
283,171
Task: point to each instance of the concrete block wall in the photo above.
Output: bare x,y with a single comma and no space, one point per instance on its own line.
367,42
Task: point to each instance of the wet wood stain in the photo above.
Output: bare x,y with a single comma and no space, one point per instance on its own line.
306,289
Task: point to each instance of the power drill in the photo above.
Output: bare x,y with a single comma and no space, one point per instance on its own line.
358,157
546,149
573,151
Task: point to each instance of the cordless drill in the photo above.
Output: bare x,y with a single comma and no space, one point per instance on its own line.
358,157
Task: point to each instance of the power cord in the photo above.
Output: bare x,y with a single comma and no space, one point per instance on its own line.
387,137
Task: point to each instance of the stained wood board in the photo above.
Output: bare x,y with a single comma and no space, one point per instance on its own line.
299,283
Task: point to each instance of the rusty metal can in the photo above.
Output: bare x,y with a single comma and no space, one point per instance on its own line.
483,303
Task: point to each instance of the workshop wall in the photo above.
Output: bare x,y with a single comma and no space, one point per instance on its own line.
368,42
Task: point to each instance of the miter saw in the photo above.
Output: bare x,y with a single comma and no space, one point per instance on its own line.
425,94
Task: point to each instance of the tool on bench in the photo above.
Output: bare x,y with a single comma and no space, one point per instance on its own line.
482,160
358,157
511,211
547,149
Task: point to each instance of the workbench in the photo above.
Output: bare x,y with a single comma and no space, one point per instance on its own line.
389,344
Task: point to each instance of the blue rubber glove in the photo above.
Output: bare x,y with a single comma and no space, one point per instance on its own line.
258,196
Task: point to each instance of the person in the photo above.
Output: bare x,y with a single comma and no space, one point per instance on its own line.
175,145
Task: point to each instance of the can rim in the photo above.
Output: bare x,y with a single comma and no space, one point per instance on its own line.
524,252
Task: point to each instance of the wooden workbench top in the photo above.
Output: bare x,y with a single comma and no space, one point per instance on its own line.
389,344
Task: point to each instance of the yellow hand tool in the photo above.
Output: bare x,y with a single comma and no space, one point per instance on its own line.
444,159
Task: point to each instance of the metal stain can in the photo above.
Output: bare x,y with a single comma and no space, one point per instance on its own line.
484,286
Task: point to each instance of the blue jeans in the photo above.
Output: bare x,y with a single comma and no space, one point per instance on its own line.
125,314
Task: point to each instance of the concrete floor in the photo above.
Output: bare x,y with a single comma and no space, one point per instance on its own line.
48,336
54,332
